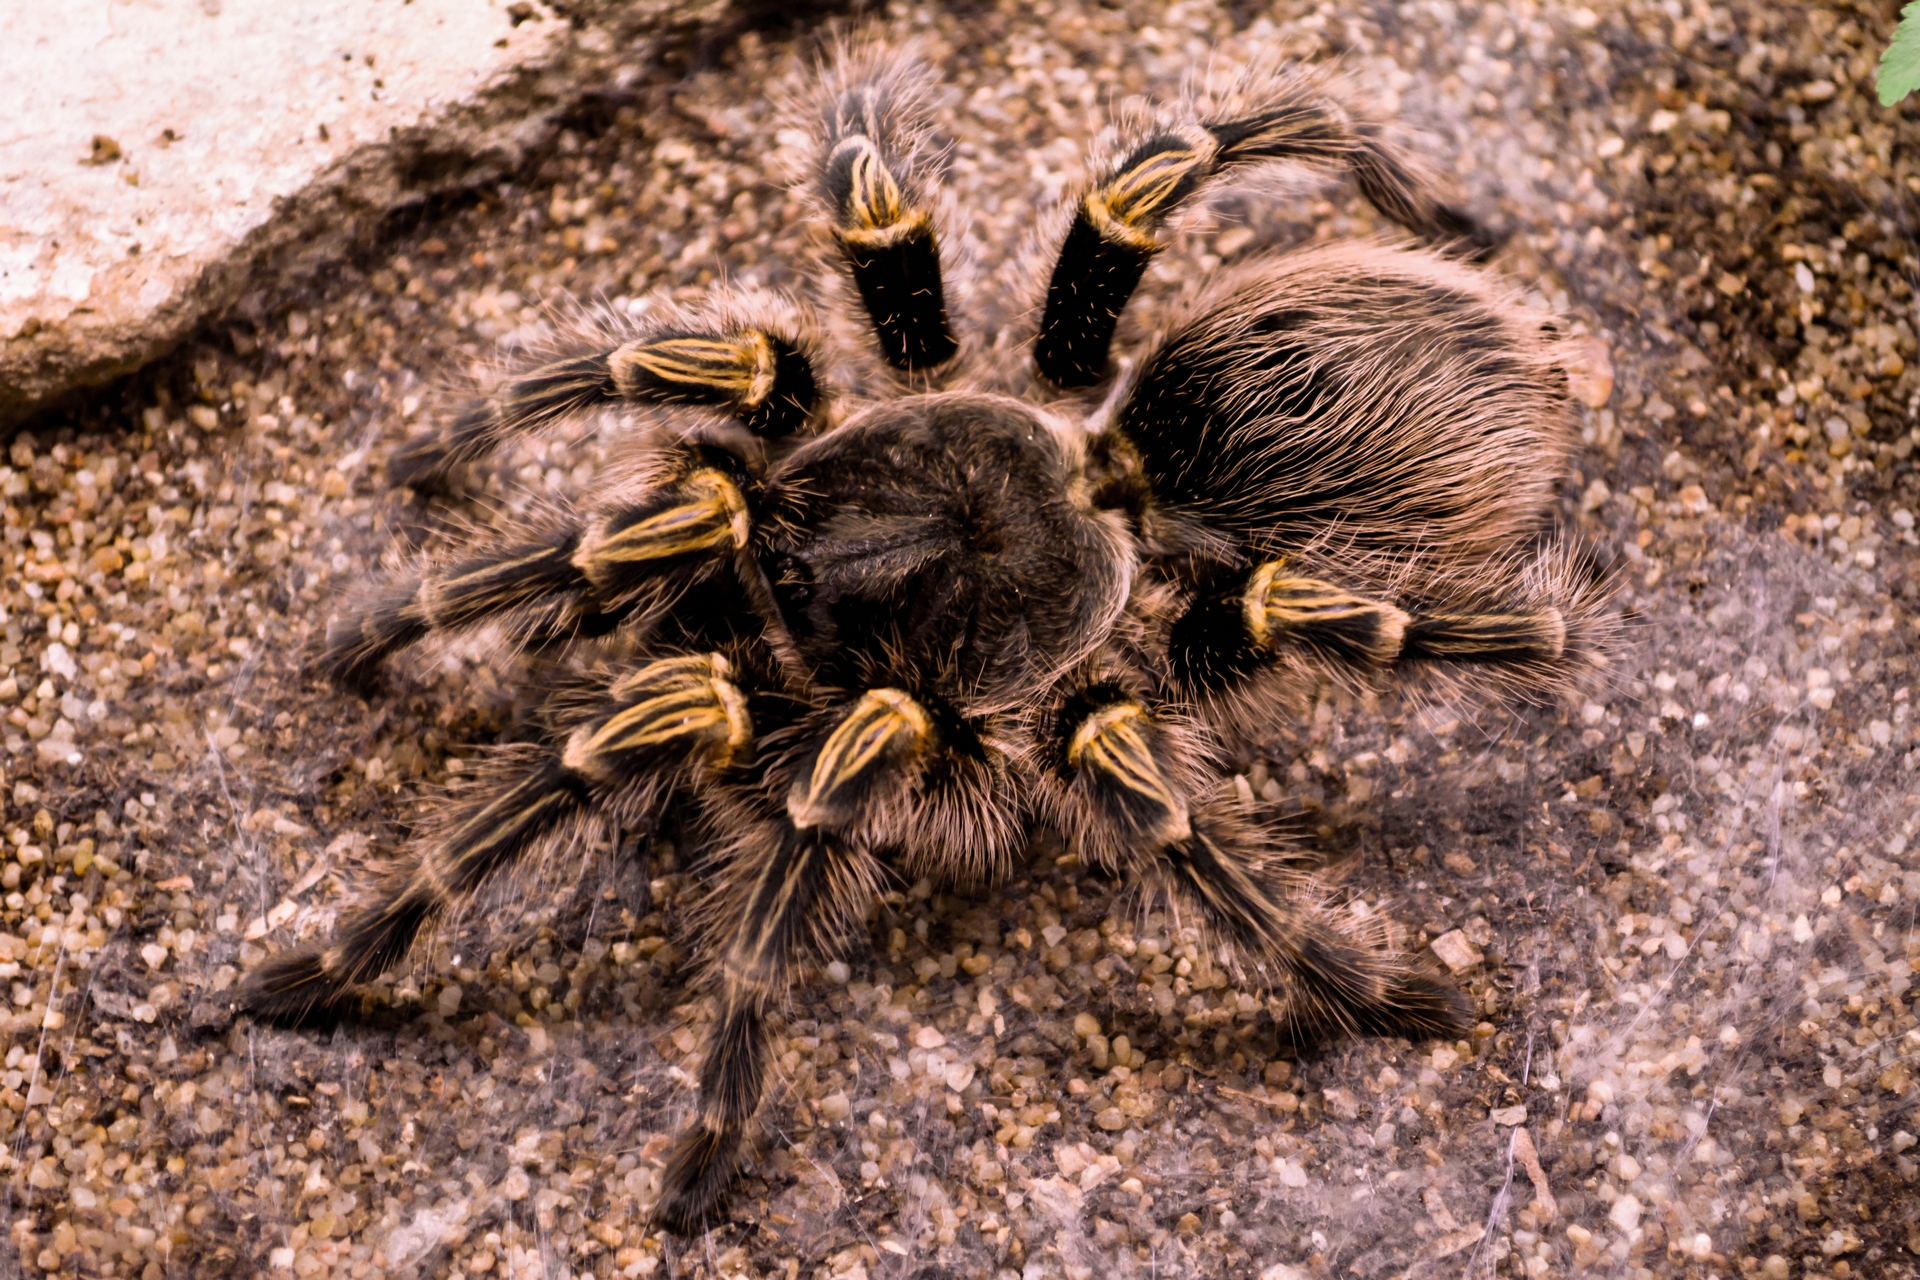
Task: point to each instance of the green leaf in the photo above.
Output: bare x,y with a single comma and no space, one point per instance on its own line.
1900,64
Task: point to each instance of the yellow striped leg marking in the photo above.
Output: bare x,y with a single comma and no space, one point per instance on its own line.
480,840
1274,605
1541,635
1126,207
490,588
1306,131
884,725
713,515
740,367
687,699
754,960
1113,742
877,213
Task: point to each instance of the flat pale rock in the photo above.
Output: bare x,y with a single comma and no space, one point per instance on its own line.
1456,952
154,152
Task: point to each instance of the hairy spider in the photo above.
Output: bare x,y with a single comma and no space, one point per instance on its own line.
908,638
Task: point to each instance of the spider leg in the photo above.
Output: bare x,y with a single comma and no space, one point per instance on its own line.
612,560
1134,791
753,360
1530,629
657,727
803,878
1338,984
874,180
800,874
1117,225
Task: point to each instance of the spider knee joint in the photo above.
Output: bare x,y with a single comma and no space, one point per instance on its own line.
876,213
706,513
883,738
738,369
688,704
1277,608
1113,749
1128,208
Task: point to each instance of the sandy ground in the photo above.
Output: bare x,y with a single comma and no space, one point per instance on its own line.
1684,906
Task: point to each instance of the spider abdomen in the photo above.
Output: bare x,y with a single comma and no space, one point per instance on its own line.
1383,398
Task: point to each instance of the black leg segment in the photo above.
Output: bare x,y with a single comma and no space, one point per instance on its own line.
870,182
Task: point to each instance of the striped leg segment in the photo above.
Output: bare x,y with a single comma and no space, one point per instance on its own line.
558,580
774,927
671,709
465,592
1126,769
1279,609
884,226
1231,633
1111,755
877,746
1116,228
671,715
1505,638
761,376
702,515
807,880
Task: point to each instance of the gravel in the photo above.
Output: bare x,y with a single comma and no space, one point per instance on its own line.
1684,906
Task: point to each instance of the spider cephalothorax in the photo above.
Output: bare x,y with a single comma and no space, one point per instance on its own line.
904,640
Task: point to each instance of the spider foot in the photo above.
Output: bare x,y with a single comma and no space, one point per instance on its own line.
697,1175
295,989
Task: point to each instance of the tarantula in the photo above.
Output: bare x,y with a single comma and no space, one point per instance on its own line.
909,638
